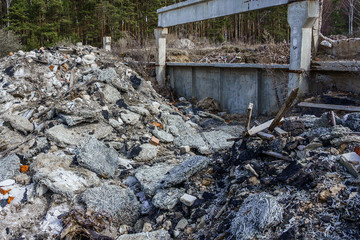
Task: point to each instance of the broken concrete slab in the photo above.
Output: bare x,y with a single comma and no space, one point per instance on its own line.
194,141
68,182
20,123
139,110
51,160
185,170
163,136
111,94
217,140
114,200
156,235
151,177
147,152
130,117
167,198
75,120
10,166
97,157
62,136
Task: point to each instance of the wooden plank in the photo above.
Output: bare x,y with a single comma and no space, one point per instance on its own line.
285,107
266,136
248,117
333,119
259,128
277,155
281,132
330,106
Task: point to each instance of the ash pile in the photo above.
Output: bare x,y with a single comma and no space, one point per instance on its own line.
89,150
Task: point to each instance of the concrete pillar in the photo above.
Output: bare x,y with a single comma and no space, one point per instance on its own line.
301,18
160,38
107,43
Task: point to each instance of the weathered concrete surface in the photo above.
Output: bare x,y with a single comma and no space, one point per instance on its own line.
156,235
198,10
118,202
10,166
253,83
97,157
160,39
301,17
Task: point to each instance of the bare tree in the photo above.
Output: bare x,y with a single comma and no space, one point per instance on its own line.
352,9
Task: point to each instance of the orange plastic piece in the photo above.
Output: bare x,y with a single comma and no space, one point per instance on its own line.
11,53
357,150
3,192
157,124
10,199
24,168
51,67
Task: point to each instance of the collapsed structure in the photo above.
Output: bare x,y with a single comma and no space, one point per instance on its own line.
88,148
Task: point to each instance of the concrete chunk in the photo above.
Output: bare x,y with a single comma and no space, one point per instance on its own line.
20,123
188,199
185,170
120,203
10,166
97,157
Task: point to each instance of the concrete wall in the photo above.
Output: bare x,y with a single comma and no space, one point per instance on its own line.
234,86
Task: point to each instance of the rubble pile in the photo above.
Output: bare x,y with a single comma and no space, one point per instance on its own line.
90,151
88,148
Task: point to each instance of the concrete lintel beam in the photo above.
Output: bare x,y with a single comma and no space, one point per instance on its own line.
198,10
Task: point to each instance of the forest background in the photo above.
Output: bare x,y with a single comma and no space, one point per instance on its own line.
30,24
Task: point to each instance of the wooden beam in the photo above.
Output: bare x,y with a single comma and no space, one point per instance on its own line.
285,107
266,136
333,119
330,106
277,155
261,127
248,117
281,132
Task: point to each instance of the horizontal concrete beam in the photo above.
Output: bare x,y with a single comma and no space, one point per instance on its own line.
229,65
336,66
198,10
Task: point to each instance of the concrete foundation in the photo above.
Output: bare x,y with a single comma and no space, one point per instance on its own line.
234,86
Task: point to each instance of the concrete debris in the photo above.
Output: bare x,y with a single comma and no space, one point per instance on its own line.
167,198
116,201
97,157
187,199
19,123
156,235
103,156
186,169
10,166
151,177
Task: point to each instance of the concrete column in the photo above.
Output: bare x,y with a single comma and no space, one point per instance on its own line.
301,17
160,38
107,43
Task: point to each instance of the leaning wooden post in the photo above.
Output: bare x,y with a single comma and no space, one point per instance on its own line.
285,107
